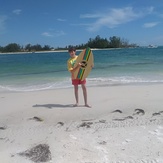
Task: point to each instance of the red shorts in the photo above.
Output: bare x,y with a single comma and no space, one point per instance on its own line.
78,81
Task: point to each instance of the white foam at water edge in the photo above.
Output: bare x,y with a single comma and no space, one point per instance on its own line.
121,80
39,87
66,83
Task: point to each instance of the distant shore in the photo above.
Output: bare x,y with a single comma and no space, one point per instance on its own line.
53,51
35,52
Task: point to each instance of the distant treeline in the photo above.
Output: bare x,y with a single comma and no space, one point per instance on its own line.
97,42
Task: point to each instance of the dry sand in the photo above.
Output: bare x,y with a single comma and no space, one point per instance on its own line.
124,125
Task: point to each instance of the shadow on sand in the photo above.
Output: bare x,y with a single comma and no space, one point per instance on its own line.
50,106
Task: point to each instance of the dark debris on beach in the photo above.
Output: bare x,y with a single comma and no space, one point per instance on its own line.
86,124
117,111
60,123
39,153
37,119
2,128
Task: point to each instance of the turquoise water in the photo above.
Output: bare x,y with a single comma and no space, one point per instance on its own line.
41,71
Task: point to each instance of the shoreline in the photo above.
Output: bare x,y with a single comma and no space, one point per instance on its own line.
124,125
70,86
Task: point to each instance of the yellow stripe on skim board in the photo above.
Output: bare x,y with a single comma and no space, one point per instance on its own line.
85,58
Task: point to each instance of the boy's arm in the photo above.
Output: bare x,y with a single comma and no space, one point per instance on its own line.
72,69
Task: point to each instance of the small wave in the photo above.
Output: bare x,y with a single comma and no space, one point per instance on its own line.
31,73
34,87
121,80
66,83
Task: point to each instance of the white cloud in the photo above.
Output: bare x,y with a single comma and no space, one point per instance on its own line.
90,16
150,9
17,11
150,25
61,20
114,17
53,34
59,33
161,15
2,23
47,34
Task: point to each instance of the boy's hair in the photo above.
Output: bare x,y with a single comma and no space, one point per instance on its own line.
71,49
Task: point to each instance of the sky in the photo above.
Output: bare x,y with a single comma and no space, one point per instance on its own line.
59,23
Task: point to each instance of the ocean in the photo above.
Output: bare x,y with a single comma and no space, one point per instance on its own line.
48,70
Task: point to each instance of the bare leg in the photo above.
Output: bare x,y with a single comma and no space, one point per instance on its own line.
76,95
85,95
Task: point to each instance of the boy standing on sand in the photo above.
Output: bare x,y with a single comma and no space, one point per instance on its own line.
76,82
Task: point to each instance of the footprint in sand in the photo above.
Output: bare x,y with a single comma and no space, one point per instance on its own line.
102,143
139,112
2,128
86,124
122,119
60,123
119,119
117,111
128,117
157,113
37,119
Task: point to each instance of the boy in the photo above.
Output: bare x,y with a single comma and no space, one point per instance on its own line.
76,82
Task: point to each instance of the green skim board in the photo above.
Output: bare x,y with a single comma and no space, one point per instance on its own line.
86,59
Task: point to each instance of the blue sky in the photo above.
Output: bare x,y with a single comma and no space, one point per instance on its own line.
72,22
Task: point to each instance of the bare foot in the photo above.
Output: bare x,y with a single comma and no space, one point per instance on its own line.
88,106
75,105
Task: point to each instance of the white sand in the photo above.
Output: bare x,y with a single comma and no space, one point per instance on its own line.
84,135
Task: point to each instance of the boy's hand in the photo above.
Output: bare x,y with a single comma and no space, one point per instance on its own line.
79,64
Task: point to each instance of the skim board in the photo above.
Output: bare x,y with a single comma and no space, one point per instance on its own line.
86,59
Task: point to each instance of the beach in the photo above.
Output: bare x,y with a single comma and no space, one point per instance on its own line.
124,125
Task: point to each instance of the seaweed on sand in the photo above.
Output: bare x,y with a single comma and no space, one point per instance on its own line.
39,153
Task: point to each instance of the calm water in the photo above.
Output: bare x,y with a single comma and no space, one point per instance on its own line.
40,71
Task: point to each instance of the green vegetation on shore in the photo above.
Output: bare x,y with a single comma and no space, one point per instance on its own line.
97,42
